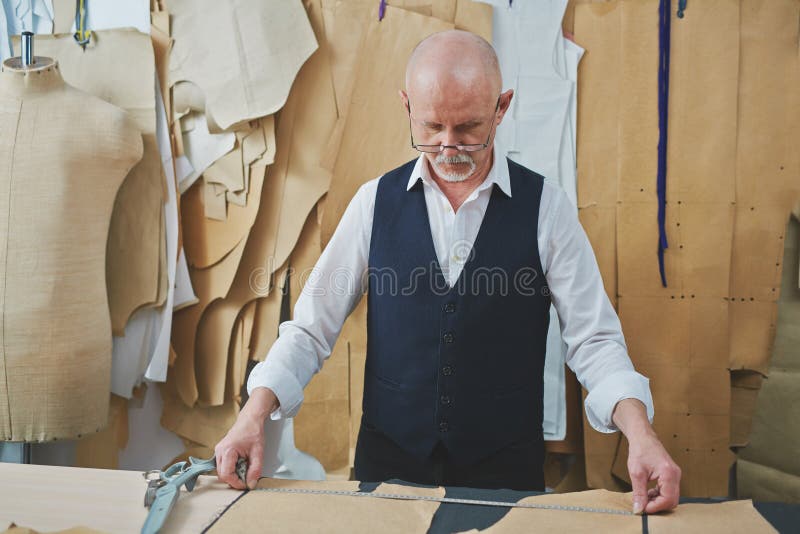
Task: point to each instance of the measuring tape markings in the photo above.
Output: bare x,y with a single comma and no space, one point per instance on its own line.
447,500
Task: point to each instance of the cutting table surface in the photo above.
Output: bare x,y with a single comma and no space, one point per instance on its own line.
50,498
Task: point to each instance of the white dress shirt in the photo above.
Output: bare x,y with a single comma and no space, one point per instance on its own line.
596,349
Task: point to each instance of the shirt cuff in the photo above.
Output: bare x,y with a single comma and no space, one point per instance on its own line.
283,383
602,399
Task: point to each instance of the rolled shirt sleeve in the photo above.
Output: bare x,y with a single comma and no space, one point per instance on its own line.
332,290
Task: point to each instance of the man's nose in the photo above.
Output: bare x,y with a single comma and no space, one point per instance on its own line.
450,140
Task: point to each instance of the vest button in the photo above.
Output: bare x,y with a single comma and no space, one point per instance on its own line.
443,426
445,400
448,337
449,307
447,370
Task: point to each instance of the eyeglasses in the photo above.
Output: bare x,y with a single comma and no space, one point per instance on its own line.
461,148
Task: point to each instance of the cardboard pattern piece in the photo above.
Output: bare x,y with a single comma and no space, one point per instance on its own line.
211,284
345,25
101,450
267,318
199,147
210,329
243,55
239,352
767,186
228,178
207,241
203,425
56,343
745,386
682,346
294,183
700,222
694,421
334,513
289,512
312,109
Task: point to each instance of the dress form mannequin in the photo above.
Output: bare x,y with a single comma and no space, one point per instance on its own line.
63,156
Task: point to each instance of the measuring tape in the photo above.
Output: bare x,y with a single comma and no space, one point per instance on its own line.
448,500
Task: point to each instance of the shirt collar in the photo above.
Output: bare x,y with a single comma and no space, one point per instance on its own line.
498,174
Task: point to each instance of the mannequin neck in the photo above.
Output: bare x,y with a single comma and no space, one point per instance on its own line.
41,77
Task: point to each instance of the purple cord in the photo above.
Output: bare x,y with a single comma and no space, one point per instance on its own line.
382,10
665,17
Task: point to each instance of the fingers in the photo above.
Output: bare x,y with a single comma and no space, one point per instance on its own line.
226,468
659,504
254,467
639,476
669,481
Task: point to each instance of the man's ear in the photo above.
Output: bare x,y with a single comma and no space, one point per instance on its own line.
505,103
404,100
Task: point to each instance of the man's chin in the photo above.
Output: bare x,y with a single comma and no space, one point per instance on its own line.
453,177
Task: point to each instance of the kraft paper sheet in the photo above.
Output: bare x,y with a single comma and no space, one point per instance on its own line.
207,241
312,109
203,425
209,329
745,386
295,182
334,513
767,159
101,450
681,344
331,513
267,318
244,54
211,284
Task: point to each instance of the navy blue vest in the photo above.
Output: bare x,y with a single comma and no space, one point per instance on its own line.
461,365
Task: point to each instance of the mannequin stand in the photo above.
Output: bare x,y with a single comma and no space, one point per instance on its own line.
15,452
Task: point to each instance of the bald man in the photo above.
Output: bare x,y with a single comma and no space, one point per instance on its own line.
461,253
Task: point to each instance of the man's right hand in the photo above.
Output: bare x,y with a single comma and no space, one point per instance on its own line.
246,440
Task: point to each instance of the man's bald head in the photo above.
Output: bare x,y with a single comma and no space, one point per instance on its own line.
454,60
453,100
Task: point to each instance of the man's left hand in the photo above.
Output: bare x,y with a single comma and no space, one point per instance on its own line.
648,460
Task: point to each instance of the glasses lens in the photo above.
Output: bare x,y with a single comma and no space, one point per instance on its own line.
428,148
472,148
438,148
